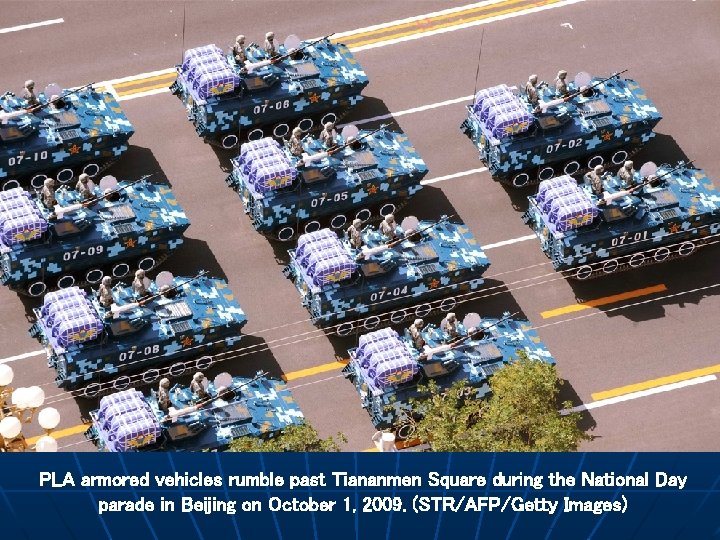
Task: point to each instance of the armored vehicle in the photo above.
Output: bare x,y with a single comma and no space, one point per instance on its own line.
138,339
667,212
306,84
134,225
429,266
387,368
366,174
68,133
236,407
601,121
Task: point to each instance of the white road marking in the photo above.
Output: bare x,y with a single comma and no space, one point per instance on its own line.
31,25
450,176
511,241
21,356
414,110
640,394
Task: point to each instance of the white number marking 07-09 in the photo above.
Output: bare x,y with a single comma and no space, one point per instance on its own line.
91,251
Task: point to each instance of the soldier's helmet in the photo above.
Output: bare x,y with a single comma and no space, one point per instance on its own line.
389,219
451,317
297,132
107,281
49,182
357,223
533,78
84,178
628,164
562,74
140,273
598,169
29,84
329,126
240,39
165,383
270,36
198,376
418,323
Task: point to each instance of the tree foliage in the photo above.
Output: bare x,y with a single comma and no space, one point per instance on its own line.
303,438
521,414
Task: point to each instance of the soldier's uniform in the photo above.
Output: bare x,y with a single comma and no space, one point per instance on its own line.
238,50
270,44
449,325
163,395
327,135
531,91
48,193
138,284
596,180
387,227
29,94
354,234
83,188
196,386
561,88
627,174
105,295
295,143
415,328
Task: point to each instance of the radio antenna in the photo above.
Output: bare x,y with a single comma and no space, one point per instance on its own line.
477,72
182,56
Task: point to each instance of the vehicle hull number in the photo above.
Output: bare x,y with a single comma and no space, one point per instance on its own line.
91,252
276,106
35,156
327,198
629,238
572,143
388,293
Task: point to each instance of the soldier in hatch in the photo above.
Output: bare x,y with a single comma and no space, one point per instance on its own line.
415,329
354,234
163,395
105,295
138,284
449,325
561,87
29,93
83,187
48,193
626,174
197,388
270,44
327,135
238,50
531,90
388,228
596,180
295,142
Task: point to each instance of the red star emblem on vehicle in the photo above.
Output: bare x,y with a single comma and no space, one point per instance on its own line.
314,98
434,283
674,228
372,190
186,341
606,136
130,242
74,149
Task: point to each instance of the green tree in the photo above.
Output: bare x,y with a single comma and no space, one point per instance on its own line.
520,415
303,438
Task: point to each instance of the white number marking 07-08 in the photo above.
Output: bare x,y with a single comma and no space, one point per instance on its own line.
278,106
150,349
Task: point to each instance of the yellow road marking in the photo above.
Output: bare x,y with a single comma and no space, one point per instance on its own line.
169,76
424,22
420,26
605,300
654,383
308,372
59,434
142,89
432,27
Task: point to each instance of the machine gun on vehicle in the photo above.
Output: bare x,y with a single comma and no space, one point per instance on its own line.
582,89
162,291
59,211
649,179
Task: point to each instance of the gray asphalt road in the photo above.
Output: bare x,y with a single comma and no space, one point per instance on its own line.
669,47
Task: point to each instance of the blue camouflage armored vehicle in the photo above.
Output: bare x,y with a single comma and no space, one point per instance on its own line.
372,174
668,213
429,266
387,369
306,84
601,121
138,339
68,133
236,407
78,241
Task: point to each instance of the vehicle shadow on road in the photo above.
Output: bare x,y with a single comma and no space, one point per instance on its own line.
136,163
663,149
675,283
567,393
194,255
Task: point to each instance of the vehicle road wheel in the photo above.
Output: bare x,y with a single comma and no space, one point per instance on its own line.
520,180
363,214
229,141
256,134
10,184
65,176
619,157
686,248
344,329
38,181
312,226
66,281
147,264
286,233
91,169
595,161
546,173
338,221
36,289
120,270
571,167
583,272
371,323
